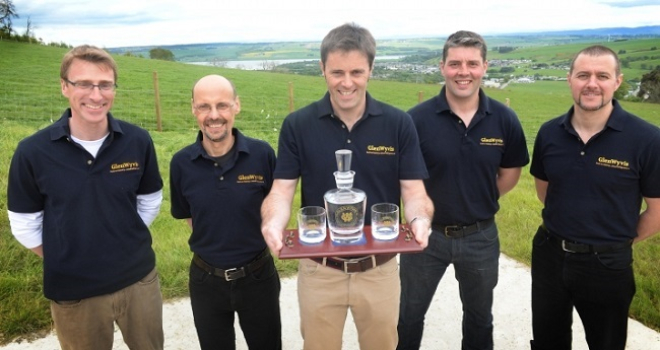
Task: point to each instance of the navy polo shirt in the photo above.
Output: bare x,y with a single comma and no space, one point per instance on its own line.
595,190
94,241
463,162
224,202
384,144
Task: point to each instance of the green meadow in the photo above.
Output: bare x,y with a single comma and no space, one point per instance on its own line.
30,99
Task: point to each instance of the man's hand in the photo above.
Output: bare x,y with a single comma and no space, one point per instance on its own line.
275,213
421,228
273,238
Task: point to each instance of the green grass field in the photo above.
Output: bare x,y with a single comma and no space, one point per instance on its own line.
30,99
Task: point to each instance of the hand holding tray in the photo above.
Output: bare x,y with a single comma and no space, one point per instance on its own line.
294,249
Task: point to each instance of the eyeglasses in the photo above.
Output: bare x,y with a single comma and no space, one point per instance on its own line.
88,86
220,107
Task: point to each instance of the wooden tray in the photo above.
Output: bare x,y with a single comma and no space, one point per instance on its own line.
294,249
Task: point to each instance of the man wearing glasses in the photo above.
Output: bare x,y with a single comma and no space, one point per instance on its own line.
81,194
217,185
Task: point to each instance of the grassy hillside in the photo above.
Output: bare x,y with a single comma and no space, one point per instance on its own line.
30,99
640,55
638,52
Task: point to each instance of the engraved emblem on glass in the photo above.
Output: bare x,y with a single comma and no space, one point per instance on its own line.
311,225
345,205
385,221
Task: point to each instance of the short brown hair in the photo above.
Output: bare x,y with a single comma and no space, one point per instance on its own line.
598,50
464,38
349,37
90,54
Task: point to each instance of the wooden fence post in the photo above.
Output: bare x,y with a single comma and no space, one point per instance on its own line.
159,123
420,97
290,97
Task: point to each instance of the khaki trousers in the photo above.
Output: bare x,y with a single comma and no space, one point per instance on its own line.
89,323
325,295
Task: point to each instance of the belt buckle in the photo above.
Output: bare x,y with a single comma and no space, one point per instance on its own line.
563,247
357,261
451,228
230,274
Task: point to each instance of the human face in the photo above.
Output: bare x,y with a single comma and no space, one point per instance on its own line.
347,75
88,107
215,107
593,81
463,69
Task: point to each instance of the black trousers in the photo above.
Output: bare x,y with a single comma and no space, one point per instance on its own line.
599,285
255,298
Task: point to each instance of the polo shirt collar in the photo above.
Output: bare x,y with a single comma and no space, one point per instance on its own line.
616,121
61,127
198,150
372,108
443,104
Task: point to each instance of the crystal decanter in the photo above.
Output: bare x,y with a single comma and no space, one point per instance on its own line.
345,205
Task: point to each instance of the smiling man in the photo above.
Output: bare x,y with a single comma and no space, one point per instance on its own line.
217,185
593,167
347,117
81,194
474,148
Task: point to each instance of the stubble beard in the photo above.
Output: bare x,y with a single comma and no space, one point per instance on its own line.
220,138
592,108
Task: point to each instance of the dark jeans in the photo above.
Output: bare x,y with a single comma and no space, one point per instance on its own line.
476,262
599,285
255,298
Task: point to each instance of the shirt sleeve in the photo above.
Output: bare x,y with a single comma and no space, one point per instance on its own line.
27,228
651,171
179,207
148,206
411,160
23,193
516,153
288,157
151,179
536,168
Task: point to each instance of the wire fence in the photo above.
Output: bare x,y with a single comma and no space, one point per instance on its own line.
39,103
137,106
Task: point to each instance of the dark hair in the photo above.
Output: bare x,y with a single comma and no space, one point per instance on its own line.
598,50
349,37
90,54
464,38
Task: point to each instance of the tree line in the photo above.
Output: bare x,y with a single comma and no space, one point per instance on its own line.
7,32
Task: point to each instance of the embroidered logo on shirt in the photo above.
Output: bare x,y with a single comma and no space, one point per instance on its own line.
491,141
250,178
123,167
381,150
613,163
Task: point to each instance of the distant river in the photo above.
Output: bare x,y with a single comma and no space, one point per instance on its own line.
259,64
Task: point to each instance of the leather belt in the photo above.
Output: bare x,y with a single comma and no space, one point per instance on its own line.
460,231
233,273
355,265
581,248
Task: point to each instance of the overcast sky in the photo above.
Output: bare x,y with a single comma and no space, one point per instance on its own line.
116,23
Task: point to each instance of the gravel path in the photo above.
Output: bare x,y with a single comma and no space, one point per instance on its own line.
512,313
